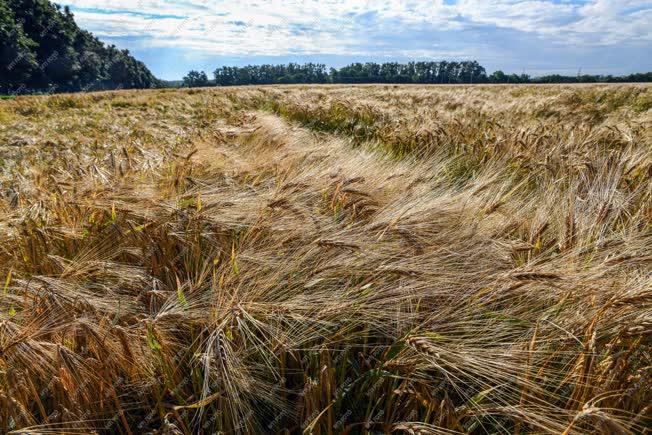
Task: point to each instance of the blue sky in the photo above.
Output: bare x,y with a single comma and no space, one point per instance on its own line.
535,36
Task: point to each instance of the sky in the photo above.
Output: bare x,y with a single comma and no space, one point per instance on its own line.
525,36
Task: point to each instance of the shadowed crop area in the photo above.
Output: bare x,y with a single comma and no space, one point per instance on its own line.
327,259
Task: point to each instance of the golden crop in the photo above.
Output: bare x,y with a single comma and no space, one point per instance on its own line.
327,259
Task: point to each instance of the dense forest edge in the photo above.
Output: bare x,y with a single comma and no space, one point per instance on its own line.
42,50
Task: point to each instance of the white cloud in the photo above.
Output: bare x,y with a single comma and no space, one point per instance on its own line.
537,16
614,21
275,27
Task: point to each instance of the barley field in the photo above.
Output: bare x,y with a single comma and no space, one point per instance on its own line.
327,259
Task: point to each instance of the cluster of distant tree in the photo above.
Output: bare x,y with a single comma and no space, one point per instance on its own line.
196,79
370,72
631,78
271,74
42,49
444,72
411,72
501,77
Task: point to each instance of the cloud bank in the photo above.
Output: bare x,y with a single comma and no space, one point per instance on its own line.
405,29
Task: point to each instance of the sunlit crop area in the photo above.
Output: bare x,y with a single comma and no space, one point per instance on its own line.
327,259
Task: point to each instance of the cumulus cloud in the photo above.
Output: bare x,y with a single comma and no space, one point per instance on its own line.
614,21
286,27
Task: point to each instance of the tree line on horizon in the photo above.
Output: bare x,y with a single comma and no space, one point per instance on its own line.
43,50
442,72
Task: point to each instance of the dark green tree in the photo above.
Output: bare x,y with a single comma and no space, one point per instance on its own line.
17,59
44,49
195,79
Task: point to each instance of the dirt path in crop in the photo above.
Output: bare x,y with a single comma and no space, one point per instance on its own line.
377,213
